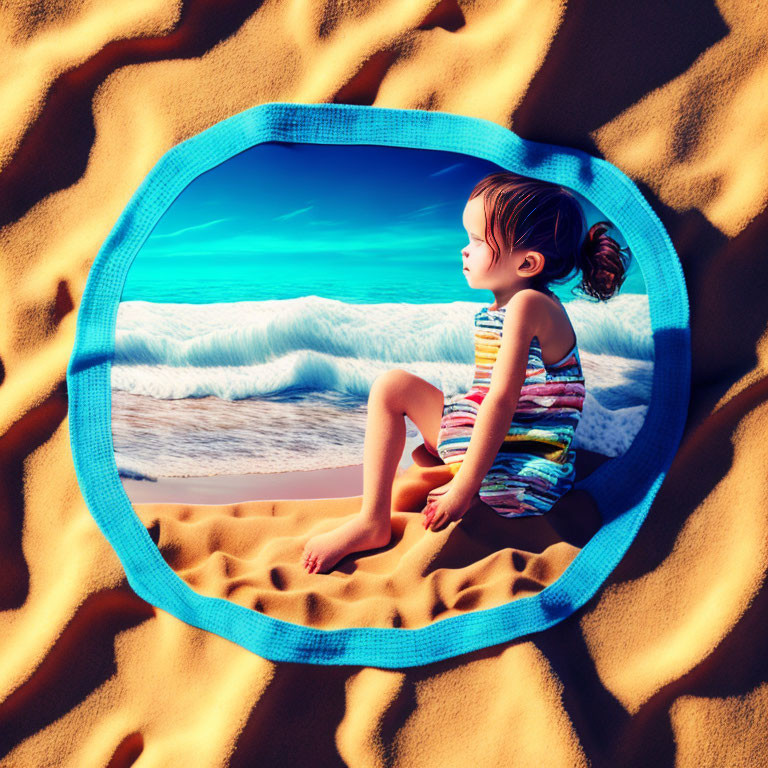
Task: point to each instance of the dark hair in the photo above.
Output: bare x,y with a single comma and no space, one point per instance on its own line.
526,213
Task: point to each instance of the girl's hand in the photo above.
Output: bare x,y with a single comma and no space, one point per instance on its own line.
444,508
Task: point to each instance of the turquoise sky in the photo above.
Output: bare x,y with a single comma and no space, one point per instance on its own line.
362,224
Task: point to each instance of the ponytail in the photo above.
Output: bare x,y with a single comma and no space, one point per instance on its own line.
601,262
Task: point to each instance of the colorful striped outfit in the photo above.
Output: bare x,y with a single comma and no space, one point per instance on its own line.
535,463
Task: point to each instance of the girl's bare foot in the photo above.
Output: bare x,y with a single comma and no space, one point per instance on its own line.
323,551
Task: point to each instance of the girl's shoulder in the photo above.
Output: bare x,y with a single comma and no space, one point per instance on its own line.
540,302
548,305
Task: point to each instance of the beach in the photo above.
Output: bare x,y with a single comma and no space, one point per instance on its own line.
336,482
663,665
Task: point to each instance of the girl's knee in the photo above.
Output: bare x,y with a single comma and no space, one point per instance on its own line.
390,385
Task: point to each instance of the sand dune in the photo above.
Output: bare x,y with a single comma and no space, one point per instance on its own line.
664,666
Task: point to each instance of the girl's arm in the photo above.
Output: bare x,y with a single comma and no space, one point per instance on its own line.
521,324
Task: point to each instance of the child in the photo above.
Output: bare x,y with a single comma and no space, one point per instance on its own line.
508,440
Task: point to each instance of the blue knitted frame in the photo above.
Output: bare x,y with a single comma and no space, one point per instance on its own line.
623,487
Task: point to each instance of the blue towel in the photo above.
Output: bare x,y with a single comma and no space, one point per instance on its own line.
623,488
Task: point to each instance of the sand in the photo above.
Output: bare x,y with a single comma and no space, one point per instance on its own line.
665,665
419,577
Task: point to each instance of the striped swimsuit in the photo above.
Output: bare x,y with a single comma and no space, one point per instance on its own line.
535,463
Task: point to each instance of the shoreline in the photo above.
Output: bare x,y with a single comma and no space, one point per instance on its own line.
326,483
331,483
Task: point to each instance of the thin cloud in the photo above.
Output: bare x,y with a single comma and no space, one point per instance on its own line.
424,211
446,169
190,229
290,215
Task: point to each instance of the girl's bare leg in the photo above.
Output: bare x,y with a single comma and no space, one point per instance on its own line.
394,395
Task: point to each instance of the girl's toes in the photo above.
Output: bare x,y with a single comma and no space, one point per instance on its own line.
310,561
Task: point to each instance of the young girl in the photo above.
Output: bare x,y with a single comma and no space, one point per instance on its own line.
508,440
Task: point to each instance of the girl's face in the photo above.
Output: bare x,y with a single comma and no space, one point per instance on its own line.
511,271
477,253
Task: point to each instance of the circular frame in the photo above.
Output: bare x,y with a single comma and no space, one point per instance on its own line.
623,487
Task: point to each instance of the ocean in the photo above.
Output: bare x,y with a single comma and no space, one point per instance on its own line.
282,385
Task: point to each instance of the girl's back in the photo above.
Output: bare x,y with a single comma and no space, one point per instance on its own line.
535,463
